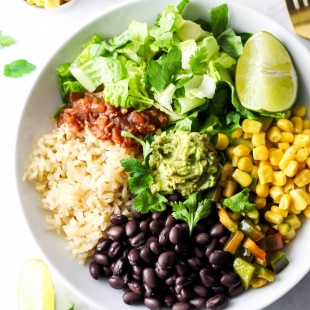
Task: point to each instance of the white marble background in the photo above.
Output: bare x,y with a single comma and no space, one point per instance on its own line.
38,34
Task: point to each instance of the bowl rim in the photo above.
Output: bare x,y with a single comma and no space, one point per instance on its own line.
102,15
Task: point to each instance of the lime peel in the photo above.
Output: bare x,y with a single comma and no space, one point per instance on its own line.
266,78
35,286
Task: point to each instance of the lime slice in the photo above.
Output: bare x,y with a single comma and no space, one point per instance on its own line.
266,78
35,286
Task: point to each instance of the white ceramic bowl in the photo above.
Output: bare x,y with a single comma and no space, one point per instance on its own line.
60,8
35,122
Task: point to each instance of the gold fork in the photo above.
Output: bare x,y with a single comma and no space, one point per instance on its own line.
299,11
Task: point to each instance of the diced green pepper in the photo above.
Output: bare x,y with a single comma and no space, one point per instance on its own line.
278,261
248,228
263,272
245,271
272,242
234,241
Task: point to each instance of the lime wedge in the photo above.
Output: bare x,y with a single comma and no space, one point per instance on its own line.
35,287
266,78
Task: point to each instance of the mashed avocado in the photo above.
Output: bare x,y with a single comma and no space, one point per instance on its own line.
183,161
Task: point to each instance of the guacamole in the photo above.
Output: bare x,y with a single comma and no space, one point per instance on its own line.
183,161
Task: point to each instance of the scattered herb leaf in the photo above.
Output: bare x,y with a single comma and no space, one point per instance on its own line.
6,40
239,203
18,68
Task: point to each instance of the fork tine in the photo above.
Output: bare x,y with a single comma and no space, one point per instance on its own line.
290,5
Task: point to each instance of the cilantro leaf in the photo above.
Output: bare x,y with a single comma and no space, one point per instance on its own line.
18,68
147,202
162,72
6,40
191,210
197,61
239,203
140,183
134,166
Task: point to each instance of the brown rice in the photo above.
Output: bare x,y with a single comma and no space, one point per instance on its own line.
82,184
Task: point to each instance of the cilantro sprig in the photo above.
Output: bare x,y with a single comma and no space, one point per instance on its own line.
140,178
191,210
239,203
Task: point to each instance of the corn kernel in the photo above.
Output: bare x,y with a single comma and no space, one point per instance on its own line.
286,159
302,140
302,178
298,200
306,131
306,212
276,192
222,142
289,185
241,150
293,220
273,134
265,174
245,164
285,202
293,209
237,133
287,137
263,163
260,202
291,169
306,124
285,125
279,178
258,138
302,155
297,124
277,210
293,149
235,160
247,135
290,235
251,126
260,152
229,152
273,218
283,146
262,190
226,171
241,177
230,188
299,110
275,157
254,172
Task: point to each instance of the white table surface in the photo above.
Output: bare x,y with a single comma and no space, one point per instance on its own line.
38,33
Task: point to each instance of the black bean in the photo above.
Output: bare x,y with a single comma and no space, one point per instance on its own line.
219,257
174,197
95,270
158,215
131,298
218,288
170,221
207,277
118,219
182,249
149,277
167,259
202,238
127,277
135,213
148,256
117,282
199,252
183,281
131,228
148,291
185,294
115,250
107,271
156,227
115,233
214,245
144,226
200,290
230,279
198,302
224,239
156,247
169,300
195,263
171,280
102,245
134,257
120,267
235,291
218,230
163,237
137,273
152,303
102,259
181,268
150,240
175,235
181,306
201,226
138,240
136,287
162,273
217,302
